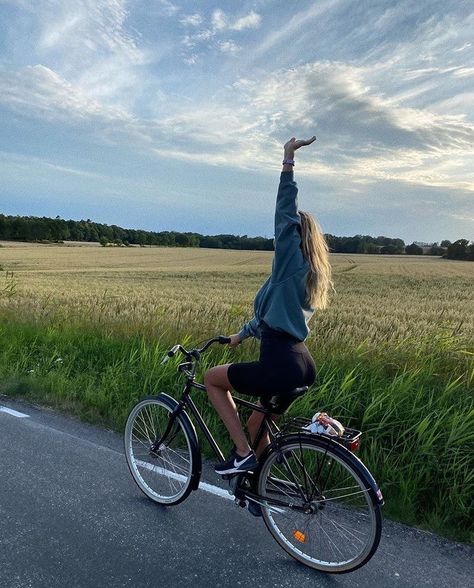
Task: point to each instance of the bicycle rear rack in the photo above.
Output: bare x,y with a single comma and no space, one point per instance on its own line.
350,438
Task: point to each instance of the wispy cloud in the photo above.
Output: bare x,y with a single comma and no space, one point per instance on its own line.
168,7
365,135
297,23
38,92
222,22
229,47
85,27
193,20
28,162
219,24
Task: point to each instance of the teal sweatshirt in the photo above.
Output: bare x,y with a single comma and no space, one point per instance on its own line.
281,301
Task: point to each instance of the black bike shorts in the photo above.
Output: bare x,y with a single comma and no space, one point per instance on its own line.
284,364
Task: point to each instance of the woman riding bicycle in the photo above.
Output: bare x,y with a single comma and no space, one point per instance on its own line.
298,284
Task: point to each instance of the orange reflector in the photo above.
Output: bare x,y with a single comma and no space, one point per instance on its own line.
299,536
354,445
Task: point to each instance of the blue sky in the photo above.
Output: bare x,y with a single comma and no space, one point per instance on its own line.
170,114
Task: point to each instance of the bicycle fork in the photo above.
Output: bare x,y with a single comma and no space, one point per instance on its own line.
155,446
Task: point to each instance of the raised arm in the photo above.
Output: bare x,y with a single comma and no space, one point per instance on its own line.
287,221
287,237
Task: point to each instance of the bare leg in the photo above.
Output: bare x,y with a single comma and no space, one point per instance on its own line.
218,389
253,425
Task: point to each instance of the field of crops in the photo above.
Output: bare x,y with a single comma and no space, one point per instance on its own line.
84,328
199,291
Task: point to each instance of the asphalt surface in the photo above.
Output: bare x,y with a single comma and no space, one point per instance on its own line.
71,515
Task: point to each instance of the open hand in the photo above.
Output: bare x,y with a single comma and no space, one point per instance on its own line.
293,144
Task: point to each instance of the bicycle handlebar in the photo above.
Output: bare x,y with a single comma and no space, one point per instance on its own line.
195,353
220,339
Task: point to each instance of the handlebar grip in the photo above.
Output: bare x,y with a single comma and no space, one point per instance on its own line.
173,350
224,340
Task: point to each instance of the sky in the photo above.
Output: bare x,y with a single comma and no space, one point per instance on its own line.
171,114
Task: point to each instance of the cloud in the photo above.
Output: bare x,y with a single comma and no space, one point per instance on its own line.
38,92
464,72
90,45
229,47
294,26
84,28
365,134
463,217
191,59
221,22
168,7
193,20
463,47
26,162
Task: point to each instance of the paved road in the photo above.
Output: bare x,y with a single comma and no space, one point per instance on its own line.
70,515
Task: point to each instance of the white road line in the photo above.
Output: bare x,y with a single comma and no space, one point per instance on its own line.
202,485
15,413
215,490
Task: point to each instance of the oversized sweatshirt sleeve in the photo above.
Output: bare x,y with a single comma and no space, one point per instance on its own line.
250,329
288,256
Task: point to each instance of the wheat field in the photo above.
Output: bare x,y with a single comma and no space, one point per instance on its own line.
376,298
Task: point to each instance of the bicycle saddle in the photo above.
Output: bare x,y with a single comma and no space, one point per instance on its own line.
279,403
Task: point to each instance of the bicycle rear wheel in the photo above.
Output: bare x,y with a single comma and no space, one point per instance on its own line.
323,513
165,474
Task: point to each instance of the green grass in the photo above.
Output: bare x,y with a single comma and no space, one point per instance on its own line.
416,410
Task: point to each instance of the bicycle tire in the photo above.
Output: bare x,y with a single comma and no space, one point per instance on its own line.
334,524
168,475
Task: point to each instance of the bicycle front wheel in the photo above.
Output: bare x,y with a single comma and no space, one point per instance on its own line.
320,509
163,473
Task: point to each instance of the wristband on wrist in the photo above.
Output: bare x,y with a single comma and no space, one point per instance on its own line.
288,162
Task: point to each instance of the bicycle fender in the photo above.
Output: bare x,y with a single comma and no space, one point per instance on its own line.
173,404
344,453
364,472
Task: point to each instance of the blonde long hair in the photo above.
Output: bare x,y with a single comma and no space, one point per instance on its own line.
316,251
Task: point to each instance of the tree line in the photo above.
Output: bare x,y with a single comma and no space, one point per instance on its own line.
57,230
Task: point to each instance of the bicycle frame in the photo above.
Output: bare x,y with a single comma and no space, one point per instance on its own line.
267,425
186,401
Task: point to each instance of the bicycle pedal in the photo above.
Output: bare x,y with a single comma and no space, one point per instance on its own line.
241,503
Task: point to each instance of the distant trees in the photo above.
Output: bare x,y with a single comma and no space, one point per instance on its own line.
236,242
461,249
31,228
413,249
436,249
365,244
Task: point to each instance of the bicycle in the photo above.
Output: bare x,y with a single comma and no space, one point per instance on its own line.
318,500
